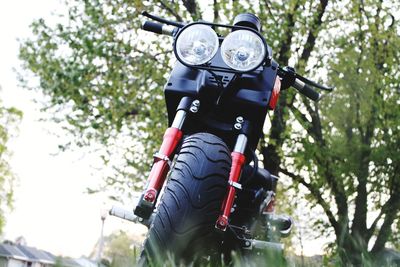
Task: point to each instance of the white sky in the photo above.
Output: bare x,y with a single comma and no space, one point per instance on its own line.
51,209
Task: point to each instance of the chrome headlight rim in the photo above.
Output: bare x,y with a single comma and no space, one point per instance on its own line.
264,47
266,60
185,29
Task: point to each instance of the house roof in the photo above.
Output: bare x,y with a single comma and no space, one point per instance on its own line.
35,254
10,251
30,254
25,253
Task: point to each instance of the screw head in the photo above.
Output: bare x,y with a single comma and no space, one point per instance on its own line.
194,109
239,119
238,126
196,103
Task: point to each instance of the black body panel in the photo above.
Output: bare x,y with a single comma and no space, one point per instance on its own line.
246,95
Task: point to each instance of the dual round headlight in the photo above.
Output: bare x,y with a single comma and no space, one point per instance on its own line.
241,50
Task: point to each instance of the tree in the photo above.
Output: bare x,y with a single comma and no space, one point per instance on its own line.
121,249
105,81
9,118
349,159
104,78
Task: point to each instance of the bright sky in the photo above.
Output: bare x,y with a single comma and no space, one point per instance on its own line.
51,209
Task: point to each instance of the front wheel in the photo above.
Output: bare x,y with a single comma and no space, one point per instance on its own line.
183,228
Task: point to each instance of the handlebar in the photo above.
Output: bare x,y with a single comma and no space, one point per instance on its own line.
288,74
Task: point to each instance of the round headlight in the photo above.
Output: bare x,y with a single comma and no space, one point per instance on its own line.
197,44
243,50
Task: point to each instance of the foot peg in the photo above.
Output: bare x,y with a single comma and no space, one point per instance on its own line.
129,216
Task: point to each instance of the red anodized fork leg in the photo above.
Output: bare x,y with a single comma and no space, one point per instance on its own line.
161,163
238,160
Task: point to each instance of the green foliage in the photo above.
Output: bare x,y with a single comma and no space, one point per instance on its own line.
9,117
121,249
350,141
103,76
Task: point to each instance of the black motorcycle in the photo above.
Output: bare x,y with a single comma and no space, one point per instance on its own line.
216,200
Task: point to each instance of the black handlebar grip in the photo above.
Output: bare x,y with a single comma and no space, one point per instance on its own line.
152,27
306,90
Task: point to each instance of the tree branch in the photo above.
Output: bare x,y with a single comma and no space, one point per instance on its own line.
315,27
193,9
216,11
170,10
315,192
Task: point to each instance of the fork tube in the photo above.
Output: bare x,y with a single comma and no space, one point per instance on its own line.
162,160
238,160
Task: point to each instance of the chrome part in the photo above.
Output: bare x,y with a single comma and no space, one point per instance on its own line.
241,143
196,103
168,30
179,119
195,106
130,216
298,84
239,119
123,214
238,126
235,185
194,109
158,155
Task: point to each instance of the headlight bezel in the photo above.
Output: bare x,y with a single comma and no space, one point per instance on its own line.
214,42
238,34
207,66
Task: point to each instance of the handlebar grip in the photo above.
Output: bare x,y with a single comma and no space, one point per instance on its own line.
152,27
306,90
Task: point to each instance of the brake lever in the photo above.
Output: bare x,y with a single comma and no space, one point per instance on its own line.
290,76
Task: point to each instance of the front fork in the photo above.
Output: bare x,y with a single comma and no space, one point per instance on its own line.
163,158
238,160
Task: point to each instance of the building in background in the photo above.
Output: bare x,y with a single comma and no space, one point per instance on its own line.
18,255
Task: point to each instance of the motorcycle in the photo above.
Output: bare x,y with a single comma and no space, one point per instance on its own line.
217,199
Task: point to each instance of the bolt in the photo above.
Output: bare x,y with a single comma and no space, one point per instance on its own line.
239,119
232,209
247,243
238,126
196,103
140,219
194,109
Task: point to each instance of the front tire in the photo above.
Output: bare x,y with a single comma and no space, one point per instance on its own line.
184,224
